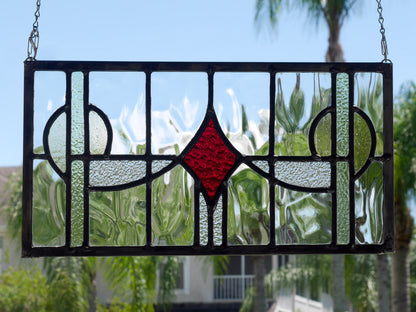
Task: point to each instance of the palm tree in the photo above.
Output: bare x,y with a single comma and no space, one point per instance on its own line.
404,184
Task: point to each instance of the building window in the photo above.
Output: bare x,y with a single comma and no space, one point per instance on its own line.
182,284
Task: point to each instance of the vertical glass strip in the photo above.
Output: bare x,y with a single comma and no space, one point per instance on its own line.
218,223
203,221
342,114
343,203
77,113
77,203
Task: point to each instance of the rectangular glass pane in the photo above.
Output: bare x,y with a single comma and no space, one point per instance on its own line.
122,97
49,95
77,113
299,99
179,102
49,198
77,203
368,96
242,103
369,201
248,208
302,218
342,114
172,209
343,203
118,218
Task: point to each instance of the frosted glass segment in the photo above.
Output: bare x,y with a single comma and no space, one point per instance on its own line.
203,221
172,209
368,96
98,134
263,165
362,142
179,102
116,172
57,141
118,218
121,96
49,95
302,218
49,198
307,174
77,113
343,203
342,114
159,165
218,223
369,200
77,203
242,102
248,208
299,99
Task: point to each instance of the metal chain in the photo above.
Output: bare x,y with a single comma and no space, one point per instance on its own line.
384,49
33,41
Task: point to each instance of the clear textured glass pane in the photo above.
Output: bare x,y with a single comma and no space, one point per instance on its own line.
179,102
49,196
248,208
241,101
302,218
369,197
49,96
203,221
343,203
57,141
308,174
98,134
263,165
172,209
77,113
342,114
121,96
118,218
322,137
77,203
368,95
116,172
362,142
218,223
299,99
159,165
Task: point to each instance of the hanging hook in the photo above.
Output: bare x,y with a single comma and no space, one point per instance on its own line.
33,40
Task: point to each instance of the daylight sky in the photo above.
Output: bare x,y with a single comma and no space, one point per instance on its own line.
183,30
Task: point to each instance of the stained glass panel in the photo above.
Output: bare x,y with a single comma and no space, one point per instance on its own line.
150,158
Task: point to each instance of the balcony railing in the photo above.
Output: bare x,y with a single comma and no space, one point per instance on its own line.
231,287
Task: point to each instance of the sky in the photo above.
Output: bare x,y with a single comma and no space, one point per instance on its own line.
183,30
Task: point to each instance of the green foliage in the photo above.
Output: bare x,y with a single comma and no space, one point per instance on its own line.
24,290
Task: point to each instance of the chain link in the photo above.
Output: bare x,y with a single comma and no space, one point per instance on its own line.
384,49
33,41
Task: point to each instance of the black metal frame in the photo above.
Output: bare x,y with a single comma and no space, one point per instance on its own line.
28,250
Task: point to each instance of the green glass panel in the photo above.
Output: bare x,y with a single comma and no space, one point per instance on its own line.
57,141
343,203
302,218
77,203
118,218
342,114
368,96
362,142
172,208
248,208
369,197
299,99
77,113
322,137
49,198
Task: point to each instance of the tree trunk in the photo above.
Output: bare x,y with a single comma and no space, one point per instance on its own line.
334,52
92,294
338,284
259,285
383,283
400,280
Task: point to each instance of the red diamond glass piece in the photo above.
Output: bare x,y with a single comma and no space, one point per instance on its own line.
210,159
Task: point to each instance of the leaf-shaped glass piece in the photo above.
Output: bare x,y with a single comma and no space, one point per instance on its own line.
322,136
57,141
362,142
98,134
